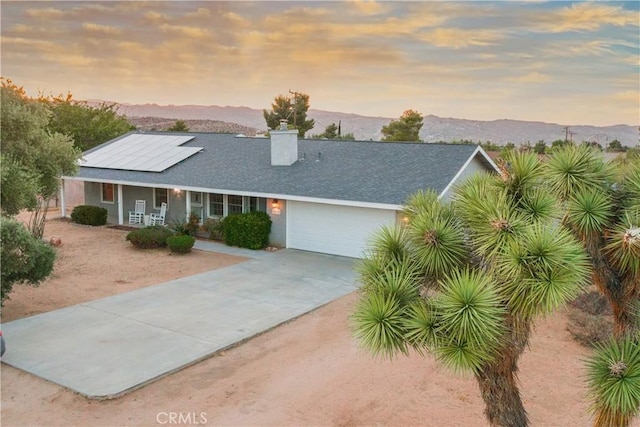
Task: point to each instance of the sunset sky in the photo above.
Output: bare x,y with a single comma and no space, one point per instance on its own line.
562,62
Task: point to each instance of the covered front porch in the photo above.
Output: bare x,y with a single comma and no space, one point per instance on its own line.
121,200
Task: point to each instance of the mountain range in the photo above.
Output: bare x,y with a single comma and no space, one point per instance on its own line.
250,121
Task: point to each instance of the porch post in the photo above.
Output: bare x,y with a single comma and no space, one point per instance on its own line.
188,201
120,207
63,208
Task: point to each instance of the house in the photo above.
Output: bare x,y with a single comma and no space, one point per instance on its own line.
322,195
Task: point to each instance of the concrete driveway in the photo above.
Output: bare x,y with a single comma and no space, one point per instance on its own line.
107,347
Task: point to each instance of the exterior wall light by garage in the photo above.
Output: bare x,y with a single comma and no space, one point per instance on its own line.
275,207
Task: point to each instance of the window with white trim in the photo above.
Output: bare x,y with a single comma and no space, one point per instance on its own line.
234,204
216,205
251,204
160,195
107,193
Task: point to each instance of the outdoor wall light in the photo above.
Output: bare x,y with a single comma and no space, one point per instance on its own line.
176,190
275,207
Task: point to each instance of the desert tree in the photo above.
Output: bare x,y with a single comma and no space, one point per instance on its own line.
34,157
406,128
179,126
465,280
294,111
25,259
87,125
601,207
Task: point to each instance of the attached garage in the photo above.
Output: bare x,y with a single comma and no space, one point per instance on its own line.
333,229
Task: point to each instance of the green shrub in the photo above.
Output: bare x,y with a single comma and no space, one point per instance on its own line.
89,215
213,226
189,228
154,236
25,259
180,243
248,230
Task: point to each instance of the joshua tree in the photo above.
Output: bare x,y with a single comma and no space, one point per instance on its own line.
602,208
465,280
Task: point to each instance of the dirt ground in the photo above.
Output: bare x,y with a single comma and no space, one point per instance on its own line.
307,372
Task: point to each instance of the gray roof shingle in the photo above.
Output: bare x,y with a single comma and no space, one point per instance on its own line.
374,172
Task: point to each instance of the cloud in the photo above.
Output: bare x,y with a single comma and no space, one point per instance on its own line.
587,16
100,29
46,13
532,77
368,7
457,38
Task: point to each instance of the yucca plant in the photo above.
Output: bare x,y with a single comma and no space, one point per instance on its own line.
601,202
473,276
614,382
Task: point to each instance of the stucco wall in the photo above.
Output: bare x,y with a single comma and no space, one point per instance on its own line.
92,196
278,236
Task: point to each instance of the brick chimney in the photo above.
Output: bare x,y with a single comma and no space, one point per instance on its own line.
284,145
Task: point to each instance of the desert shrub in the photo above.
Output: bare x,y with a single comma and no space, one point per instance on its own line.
590,319
25,259
189,228
89,215
248,230
213,227
180,243
154,236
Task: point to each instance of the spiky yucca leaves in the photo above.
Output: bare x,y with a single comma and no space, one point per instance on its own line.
623,244
521,171
426,202
389,243
613,374
542,270
489,216
389,292
470,314
574,168
589,211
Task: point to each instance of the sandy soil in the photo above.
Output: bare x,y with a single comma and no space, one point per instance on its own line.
307,372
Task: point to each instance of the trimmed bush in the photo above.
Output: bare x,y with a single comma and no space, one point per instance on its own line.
248,230
181,243
89,215
154,236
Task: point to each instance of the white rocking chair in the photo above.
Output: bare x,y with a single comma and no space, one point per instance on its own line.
158,219
137,215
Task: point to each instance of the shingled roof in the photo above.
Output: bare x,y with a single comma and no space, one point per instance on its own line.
357,171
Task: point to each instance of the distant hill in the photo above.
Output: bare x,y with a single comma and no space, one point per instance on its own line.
249,120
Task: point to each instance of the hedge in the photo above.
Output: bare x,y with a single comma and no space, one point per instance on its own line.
154,236
248,230
181,243
89,215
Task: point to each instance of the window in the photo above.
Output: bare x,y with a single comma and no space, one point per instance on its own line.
234,204
216,205
107,193
160,195
252,204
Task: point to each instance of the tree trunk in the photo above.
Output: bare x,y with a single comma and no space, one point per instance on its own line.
618,289
499,383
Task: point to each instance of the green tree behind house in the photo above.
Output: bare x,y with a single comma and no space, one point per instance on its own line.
179,126
406,128
88,126
294,112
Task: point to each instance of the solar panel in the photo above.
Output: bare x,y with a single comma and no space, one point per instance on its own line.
141,152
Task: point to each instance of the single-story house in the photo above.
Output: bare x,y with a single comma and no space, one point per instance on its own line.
322,195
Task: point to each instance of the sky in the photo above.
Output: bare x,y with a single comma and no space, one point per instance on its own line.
562,62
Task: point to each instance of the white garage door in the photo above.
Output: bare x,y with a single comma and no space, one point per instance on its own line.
333,229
